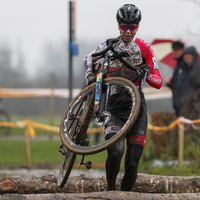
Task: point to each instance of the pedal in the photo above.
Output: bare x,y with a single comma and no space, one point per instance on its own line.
88,164
61,150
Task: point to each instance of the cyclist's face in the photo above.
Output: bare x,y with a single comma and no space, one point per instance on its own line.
128,34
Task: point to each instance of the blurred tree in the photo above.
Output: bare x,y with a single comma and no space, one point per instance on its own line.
55,66
11,76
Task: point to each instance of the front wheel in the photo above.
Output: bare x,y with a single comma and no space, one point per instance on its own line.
79,119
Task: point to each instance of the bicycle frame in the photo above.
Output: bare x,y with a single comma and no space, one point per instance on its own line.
98,92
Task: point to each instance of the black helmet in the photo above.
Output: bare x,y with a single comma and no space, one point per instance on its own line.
128,14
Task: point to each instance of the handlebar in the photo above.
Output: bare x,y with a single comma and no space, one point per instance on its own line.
119,55
109,43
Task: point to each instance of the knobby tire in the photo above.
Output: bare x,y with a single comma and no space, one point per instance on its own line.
77,147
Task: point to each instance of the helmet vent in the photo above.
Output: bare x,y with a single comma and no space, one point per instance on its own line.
122,13
136,12
128,14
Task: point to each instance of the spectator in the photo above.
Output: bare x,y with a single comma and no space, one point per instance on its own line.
173,81
189,85
185,85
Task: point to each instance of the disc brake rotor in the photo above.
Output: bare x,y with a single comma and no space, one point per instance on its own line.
103,120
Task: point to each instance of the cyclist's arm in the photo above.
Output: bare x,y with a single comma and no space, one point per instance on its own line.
89,60
154,79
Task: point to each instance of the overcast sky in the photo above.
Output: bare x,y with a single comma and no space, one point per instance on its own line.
26,25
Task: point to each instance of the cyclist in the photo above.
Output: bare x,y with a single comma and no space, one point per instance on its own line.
128,18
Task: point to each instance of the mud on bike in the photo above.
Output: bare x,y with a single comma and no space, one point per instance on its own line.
91,108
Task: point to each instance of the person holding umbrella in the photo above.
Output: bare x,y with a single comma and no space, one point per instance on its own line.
174,81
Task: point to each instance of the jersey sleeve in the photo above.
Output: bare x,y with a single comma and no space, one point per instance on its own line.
154,79
89,60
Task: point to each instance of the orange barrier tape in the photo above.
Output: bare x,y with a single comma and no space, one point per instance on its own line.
36,92
95,130
9,124
179,121
26,123
30,129
30,125
150,93
45,127
162,128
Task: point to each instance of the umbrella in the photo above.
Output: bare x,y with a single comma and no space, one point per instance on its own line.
163,51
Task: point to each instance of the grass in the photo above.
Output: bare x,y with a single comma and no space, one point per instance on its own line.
44,154
12,154
184,170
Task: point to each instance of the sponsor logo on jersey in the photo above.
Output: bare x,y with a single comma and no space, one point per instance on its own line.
155,63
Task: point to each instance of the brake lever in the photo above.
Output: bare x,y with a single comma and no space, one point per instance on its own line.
144,79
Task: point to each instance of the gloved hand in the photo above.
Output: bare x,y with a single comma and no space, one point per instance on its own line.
91,78
144,71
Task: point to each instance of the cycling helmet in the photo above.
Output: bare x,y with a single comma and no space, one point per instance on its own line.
128,14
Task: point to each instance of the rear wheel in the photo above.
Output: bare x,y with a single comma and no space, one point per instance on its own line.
84,122
66,166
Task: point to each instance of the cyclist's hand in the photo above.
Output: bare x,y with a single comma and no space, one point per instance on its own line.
144,71
91,78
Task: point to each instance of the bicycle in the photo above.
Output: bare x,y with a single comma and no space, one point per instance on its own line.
4,117
91,107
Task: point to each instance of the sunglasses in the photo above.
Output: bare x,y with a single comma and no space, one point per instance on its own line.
125,27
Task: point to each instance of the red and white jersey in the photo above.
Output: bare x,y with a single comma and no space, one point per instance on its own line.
141,53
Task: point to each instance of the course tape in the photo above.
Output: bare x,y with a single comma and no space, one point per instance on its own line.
150,93
36,92
182,123
30,125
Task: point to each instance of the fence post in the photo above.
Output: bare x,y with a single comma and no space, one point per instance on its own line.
51,110
180,145
27,149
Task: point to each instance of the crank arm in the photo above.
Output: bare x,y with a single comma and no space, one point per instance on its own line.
88,164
